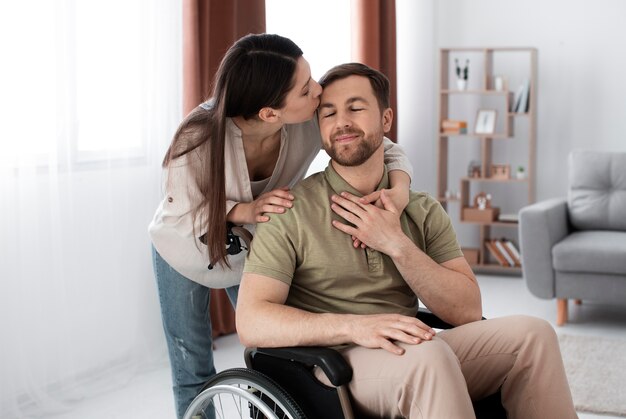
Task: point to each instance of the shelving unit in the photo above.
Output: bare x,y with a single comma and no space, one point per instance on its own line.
485,65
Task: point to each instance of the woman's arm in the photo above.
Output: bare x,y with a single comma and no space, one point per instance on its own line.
396,159
400,172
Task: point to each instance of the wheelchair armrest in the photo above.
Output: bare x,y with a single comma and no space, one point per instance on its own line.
338,371
329,360
430,319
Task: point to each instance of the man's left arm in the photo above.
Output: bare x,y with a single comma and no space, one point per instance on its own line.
449,289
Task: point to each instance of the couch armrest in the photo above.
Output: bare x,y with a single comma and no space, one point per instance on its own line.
541,226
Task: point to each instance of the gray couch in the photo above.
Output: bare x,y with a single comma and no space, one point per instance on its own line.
575,248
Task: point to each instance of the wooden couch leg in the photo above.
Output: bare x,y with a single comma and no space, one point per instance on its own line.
561,311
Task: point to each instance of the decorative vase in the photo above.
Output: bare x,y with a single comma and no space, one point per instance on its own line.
461,84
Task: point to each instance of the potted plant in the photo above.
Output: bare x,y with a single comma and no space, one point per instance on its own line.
461,74
521,173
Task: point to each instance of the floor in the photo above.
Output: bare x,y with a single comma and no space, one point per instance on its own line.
148,396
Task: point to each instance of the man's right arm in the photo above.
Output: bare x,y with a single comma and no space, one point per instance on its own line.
263,320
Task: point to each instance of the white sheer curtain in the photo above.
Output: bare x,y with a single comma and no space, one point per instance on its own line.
90,95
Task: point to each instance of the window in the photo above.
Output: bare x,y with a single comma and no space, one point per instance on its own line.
28,104
77,79
108,80
321,29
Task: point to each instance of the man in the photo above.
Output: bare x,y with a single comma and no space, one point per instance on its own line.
304,284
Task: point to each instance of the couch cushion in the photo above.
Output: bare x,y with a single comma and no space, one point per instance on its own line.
591,251
597,194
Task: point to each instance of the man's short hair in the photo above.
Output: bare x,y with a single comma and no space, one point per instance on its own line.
379,82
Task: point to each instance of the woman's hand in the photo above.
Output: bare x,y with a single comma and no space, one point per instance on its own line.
276,201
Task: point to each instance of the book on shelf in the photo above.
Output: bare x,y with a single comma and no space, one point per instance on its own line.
522,98
453,123
451,126
495,252
501,247
454,131
510,247
504,252
516,98
508,218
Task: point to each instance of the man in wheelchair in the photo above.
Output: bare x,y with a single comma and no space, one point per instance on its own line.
306,283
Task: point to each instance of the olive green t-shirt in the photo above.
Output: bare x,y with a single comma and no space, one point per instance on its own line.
325,272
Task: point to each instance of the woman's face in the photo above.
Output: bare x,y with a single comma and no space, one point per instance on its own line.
304,98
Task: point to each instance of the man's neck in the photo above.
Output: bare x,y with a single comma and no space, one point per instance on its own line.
366,177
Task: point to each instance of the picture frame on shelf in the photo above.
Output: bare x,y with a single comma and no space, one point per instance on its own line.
500,171
485,121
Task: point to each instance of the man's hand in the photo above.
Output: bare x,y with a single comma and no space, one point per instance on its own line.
377,228
399,195
382,330
276,201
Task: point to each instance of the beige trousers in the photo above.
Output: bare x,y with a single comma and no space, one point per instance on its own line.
439,378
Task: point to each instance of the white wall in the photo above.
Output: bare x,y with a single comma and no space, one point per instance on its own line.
581,94
416,49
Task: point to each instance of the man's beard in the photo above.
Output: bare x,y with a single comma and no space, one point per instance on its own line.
351,155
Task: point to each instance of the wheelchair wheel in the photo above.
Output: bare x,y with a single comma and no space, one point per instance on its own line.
242,393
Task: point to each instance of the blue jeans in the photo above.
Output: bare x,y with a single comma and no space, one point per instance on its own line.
187,326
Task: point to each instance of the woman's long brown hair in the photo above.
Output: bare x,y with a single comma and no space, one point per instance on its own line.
256,72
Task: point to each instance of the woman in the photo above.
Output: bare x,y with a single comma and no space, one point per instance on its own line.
233,159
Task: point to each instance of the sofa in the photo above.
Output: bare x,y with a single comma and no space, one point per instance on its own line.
575,247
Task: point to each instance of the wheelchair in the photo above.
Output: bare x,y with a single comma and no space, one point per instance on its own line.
279,383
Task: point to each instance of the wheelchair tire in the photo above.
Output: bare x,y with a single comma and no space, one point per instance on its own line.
243,393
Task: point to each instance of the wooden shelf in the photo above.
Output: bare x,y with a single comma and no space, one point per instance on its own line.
492,223
454,104
444,199
488,179
487,49
475,92
471,135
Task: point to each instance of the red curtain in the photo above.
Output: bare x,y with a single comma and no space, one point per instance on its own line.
374,42
210,27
